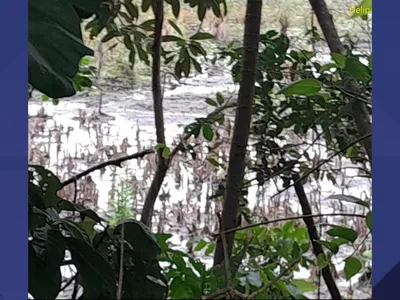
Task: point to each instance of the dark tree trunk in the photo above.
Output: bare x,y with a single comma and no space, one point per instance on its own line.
359,109
313,233
241,128
162,167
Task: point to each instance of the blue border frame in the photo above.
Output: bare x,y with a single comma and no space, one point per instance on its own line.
386,159
14,150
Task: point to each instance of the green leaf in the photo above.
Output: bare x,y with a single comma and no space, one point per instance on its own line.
88,226
211,102
322,261
132,9
343,232
73,229
210,249
339,59
369,220
176,7
49,184
55,47
146,5
327,67
200,245
339,241
220,98
367,254
201,36
357,70
352,267
304,87
370,62
46,253
97,276
213,162
331,246
171,38
208,132
348,198
165,152
140,238
303,285
176,27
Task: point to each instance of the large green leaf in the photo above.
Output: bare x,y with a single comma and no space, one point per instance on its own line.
357,70
55,47
97,277
344,233
140,238
45,194
304,87
352,267
55,44
46,252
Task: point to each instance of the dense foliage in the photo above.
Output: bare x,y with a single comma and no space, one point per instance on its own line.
121,258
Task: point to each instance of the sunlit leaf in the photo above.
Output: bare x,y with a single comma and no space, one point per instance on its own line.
304,87
343,232
352,267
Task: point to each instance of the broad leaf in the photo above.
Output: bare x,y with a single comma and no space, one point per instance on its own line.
303,285
208,132
97,277
369,220
140,238
55,47
352,267
344,233
331,246
357,70
46,252
304,87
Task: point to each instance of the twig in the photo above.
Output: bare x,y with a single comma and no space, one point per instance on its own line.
289,219
271,283
121,264
357,247
112,162
305,175
215,294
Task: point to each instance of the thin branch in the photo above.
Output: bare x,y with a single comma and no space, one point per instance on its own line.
290,219
112,162
358,247
305,175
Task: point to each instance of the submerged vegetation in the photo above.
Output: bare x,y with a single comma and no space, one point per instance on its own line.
229,205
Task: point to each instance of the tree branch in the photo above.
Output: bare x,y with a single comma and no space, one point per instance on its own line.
289,219
113,162
305,175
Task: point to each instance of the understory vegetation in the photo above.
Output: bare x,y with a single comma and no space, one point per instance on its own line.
288,102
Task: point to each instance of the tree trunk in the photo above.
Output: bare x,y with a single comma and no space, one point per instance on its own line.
313,233
359,109
241,128
151,196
